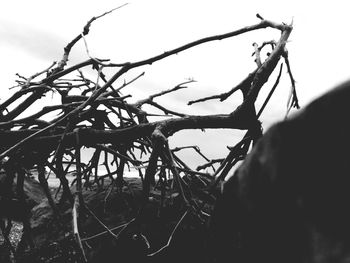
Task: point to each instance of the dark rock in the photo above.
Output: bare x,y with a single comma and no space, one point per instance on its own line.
289,200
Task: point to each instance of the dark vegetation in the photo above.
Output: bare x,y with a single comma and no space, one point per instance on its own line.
101,218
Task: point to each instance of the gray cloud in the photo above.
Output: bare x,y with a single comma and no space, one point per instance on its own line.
38,43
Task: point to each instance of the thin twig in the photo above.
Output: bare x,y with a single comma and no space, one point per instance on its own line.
293,97
170,237
107,230
150,98
76,229
271,92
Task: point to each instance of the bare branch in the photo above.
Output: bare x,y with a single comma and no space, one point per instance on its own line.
293,98
150,98
70,45
271,92
170,237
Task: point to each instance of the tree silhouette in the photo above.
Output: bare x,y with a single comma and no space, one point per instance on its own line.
94,114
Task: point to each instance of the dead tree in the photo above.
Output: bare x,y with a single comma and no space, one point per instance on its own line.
96,115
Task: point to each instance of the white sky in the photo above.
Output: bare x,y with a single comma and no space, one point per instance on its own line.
33,34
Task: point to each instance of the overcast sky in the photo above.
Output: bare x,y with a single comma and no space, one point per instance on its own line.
33,34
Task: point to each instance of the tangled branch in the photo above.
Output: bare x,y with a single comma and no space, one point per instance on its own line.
96,115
